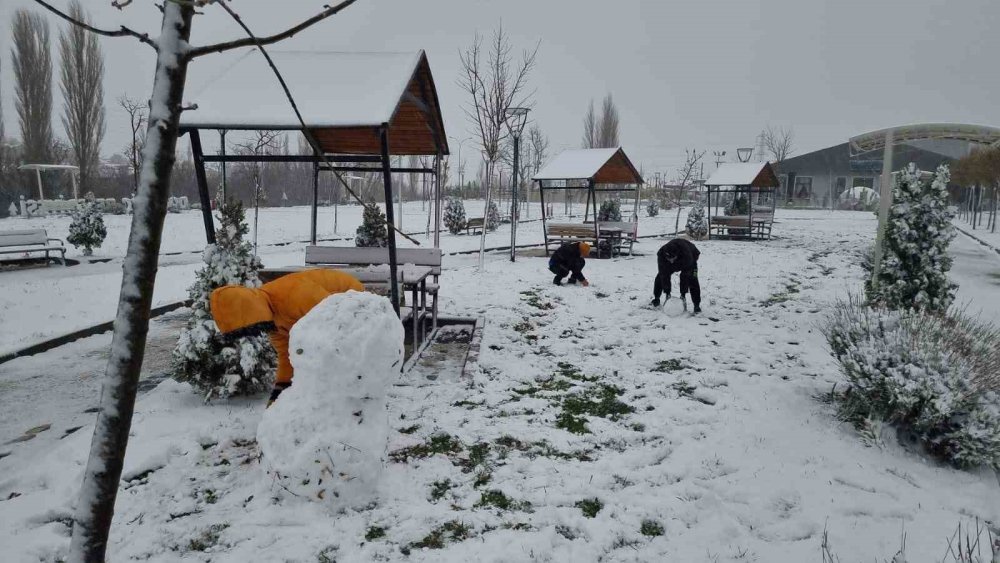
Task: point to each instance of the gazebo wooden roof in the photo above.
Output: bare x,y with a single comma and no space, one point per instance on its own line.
344,98
757,175
599,166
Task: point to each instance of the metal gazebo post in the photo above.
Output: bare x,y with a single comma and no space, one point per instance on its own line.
387,184
516,119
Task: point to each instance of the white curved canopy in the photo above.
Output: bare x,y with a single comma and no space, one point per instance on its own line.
875,140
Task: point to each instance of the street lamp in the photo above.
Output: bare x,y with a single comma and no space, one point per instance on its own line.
461,169
719,157
516,120
743,153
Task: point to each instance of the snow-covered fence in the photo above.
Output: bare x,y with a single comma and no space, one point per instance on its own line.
47,207
174,204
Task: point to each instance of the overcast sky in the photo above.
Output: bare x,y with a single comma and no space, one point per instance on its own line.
707,75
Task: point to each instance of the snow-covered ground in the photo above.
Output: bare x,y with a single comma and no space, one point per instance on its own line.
707,430
982,233
51,301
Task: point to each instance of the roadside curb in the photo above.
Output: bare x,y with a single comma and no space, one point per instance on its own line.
977,239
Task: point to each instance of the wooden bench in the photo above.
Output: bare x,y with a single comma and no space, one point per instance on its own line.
474,224
629,233
357,256
31,240
758,225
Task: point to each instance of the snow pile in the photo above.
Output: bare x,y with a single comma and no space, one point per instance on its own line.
325,437
915,262
935,375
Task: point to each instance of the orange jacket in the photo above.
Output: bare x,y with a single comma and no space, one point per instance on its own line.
283,302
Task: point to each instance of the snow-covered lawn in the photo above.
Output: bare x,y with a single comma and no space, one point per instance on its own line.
50,301
595,429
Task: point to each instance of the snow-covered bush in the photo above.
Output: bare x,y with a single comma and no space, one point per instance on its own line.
493,217
653,207
739,205
372,231
915,260
454,215
934,375
611,210
216,365
87,230
697,223
325,438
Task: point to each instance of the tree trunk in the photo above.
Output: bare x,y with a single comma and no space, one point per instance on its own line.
95,506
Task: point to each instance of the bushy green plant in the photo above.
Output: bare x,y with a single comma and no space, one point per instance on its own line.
87,230
915,259
611,210
935,375
216,365
493,217
697,223
454,215
373,230
653,207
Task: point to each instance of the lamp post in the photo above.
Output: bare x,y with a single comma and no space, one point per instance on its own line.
516,120
719,157
744,153
461,169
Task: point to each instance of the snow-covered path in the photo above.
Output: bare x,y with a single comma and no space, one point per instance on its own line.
976,270
593,425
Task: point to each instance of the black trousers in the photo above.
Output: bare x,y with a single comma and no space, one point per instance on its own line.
562,271
689,283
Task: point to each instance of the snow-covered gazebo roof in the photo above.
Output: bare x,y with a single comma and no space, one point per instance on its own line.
603,166
754,174
344,98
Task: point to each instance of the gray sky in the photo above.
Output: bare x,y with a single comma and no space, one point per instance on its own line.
707,74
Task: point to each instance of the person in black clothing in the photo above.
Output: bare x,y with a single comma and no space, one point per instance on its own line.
569,260
678,255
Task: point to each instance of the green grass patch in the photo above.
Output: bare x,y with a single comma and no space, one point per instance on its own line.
452,531
374,533
497,499
208,538
409,429
651,528
440,488
590,506
666,366
437,444
683,388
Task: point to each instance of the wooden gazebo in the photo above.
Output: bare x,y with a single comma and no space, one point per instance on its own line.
597,171
362,109
754,180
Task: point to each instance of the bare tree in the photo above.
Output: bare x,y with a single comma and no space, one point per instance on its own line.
95,506
495,83
539,153
685,178
777,142
137,121
81,68
32,64
262,142
607,127
590,130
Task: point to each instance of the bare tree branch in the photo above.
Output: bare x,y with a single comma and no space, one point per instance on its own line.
122,32
253,41
777,142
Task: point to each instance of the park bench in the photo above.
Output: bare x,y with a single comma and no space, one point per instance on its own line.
474,224
570,232
31,240
626,234
333,256
758,226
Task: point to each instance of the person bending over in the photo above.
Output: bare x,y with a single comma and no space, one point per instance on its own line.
678,255
569,260
274,308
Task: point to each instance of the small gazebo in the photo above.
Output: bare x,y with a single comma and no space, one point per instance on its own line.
39,168
730,184
597,171
361,108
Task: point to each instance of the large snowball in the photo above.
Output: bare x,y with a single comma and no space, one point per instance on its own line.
325,437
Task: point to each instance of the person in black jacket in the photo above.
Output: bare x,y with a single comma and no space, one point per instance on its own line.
569,260
678,255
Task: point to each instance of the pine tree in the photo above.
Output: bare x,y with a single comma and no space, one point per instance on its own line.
372,231
611,210
915,260
697,225
653,208
454,215
87,229
493,217
217,365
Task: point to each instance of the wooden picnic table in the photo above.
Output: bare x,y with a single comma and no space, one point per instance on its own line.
410,276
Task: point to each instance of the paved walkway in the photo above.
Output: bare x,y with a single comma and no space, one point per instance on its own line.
977,271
